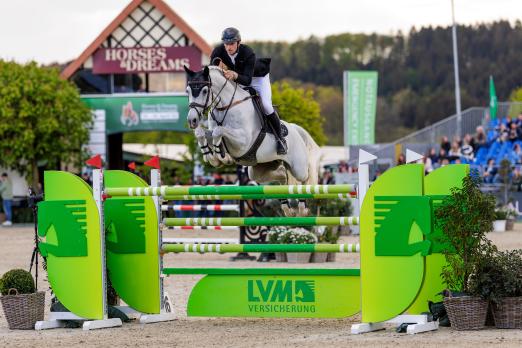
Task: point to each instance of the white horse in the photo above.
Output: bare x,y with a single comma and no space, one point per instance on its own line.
222,113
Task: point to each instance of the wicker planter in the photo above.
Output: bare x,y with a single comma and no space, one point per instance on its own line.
319,257
280,257
23,311
508,313
298,257
510,224
466,313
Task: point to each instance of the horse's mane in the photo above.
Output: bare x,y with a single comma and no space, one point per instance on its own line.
217,69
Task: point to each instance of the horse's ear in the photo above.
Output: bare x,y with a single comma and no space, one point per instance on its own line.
188,71
205,71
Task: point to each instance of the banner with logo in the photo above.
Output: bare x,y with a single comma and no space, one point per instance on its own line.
141,113
360,102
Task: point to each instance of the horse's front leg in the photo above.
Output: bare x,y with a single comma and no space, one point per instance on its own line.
206,151
233,135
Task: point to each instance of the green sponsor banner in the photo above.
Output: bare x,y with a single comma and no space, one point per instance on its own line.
141,113
360,100
275,296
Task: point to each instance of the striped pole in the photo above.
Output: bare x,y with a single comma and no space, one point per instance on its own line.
200,207
261,248
200,240
216,228
264,221
261,196
228,190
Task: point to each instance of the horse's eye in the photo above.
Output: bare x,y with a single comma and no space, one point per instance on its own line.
204,91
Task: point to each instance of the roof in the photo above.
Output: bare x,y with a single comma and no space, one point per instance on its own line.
198,41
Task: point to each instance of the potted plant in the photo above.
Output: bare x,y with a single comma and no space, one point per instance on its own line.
275,236
23,307
464,217
499,279
298,236
499,225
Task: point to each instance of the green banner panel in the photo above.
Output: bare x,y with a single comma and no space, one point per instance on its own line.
132,244
141,113
275,296
390,283
360,102
436,185
69,221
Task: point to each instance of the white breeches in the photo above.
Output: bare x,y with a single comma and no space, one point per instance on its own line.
262,86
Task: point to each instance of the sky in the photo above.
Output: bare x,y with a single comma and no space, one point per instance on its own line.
59,30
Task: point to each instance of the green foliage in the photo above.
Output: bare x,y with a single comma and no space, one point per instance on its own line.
500,214
499,275
297,105
18,279
465,217
41,118
516,96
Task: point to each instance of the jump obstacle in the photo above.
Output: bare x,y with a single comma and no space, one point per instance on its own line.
400,260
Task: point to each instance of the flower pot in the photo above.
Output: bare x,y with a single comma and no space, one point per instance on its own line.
280,257
466,312
330,257
298,257
508,313
319,257
499,226
23,311
510,224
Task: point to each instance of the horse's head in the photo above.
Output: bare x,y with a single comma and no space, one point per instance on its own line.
198,89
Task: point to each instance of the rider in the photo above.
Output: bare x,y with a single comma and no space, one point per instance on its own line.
238,61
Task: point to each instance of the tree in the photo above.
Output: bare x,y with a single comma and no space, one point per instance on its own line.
516,108
297,105
41,119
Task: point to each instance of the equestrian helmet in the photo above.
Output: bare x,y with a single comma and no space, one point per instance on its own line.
230,35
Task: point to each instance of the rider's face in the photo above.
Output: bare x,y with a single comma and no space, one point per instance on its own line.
231,47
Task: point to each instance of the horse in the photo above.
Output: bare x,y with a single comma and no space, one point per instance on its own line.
228,129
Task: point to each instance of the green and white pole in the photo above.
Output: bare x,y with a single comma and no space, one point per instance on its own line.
261,248
264,221
262,196
229,190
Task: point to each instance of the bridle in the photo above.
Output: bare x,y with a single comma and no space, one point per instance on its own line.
207,108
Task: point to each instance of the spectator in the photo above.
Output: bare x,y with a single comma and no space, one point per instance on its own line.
519,120
490,172
87,178
442,154
467,150
518,153
454,152
514,132
457,139
6,192
445,144
503,133
401,160
444,162
480,138
343,167
468,139
432,154
509,122
428,165
327,178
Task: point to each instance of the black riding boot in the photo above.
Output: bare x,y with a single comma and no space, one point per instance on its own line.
275,122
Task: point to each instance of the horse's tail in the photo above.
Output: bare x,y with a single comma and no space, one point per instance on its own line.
314,155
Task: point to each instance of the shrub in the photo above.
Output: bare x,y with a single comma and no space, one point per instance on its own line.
18,279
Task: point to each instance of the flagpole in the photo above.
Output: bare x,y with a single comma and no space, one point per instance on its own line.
456,68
